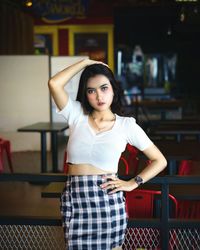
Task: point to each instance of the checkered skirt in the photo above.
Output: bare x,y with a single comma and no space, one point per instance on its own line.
92,219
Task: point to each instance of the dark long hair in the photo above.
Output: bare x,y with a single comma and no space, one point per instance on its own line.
91,71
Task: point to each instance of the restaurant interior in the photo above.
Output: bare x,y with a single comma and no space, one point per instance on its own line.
152,46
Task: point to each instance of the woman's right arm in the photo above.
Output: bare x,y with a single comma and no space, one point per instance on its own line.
57,82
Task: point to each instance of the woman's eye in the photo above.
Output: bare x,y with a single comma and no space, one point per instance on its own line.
104,88
90,91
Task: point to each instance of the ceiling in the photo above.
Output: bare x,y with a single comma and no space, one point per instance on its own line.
116,3
150,3
172,10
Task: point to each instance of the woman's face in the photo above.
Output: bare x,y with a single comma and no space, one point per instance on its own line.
99,92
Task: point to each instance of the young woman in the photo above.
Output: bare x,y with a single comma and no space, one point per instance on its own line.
92,203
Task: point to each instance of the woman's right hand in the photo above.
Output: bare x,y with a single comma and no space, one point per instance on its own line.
90,62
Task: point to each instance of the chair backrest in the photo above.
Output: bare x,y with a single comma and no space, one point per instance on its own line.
65,165
5,145
131,149
125,163
189,209
139,204
129,160
189,167
146,204
132,159
185,167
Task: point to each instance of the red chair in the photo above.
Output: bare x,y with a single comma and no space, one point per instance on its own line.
142,204
185,167
65,165
125,163
5,146
189,209
130,155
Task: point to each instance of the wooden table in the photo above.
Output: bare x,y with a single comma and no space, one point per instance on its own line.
178,133
53,190
180,122
23,200
177,129
53,129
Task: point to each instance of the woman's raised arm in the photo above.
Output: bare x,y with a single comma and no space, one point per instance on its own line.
57,82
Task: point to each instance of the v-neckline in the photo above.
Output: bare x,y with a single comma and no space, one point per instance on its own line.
101,132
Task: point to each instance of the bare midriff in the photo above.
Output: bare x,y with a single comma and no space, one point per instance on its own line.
85,169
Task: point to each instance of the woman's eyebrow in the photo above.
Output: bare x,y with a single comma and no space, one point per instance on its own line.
90,88
103,85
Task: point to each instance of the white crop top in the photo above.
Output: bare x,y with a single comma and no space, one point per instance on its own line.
104,149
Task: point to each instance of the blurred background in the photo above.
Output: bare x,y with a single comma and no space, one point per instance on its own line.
151,45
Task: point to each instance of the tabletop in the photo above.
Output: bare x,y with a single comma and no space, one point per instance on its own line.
45,127
159,103
176,127
180,122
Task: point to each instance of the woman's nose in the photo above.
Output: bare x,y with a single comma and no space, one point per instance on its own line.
99,95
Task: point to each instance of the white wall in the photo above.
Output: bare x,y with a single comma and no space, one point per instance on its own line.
24,98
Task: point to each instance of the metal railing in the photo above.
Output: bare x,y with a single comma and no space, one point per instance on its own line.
163,233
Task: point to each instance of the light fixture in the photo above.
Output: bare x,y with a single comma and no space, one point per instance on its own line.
28,3
182,15
186,1
169,31
195,10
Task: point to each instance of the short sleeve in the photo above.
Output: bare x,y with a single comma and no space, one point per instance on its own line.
136,135
71,112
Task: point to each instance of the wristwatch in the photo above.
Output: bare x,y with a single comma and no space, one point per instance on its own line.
138,180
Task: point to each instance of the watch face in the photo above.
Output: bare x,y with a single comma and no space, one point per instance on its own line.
138,180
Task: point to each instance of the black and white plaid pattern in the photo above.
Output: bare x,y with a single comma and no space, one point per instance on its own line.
92,219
